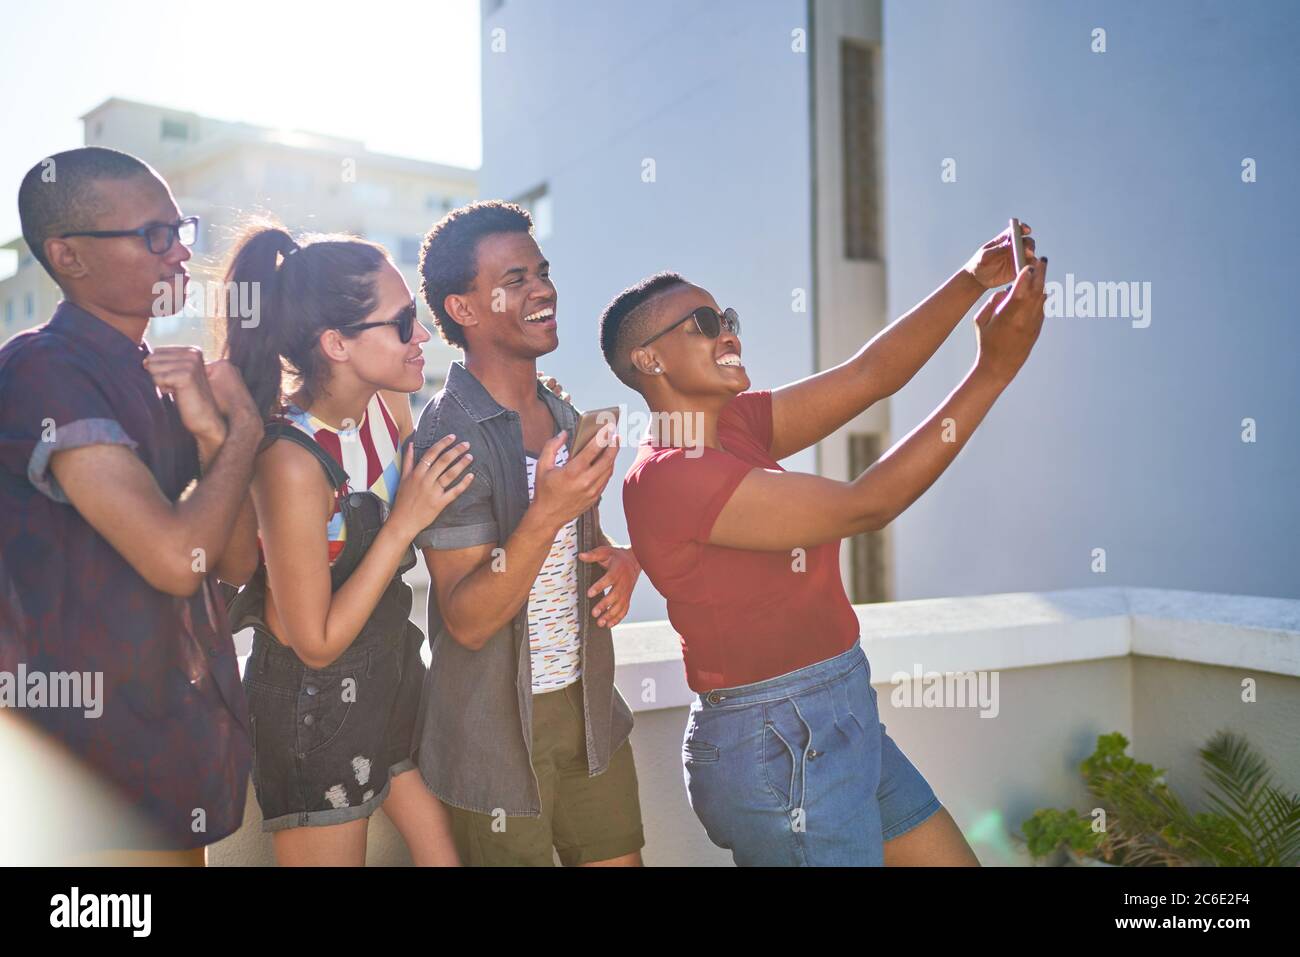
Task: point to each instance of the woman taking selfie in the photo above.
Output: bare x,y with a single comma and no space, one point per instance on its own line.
334,678
785,758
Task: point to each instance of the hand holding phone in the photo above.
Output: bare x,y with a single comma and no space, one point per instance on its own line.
591,423
1017,245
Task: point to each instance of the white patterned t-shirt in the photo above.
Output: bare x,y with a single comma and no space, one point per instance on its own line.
554,640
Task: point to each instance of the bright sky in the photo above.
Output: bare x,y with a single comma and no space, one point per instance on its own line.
403,77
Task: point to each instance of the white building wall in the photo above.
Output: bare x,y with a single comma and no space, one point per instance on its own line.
581,96
1128,166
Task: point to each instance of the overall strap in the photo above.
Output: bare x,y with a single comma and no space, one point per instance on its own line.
338,478
246,606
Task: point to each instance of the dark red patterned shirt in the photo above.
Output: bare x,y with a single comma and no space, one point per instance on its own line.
173,731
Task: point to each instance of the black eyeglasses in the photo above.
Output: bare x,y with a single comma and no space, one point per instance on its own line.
707,320
159,237
405,324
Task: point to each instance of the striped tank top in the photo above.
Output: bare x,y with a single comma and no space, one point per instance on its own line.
368,453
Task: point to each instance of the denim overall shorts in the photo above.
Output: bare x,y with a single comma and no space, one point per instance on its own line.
327,742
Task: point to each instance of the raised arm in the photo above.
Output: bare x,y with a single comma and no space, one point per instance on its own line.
294,502
170,545
781,510
239,560
478,591
807,411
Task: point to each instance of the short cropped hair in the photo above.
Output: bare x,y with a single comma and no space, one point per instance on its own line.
623,320
58,194
449,255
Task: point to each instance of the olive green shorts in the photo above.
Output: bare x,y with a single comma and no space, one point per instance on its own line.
583,819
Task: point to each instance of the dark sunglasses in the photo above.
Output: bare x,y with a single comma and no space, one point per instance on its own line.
159,237
707,320
405,324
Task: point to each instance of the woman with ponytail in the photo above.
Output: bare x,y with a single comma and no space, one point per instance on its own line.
335,675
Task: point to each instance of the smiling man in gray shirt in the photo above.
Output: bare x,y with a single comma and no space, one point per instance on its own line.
521,730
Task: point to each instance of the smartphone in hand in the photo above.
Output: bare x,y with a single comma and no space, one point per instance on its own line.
591,423
1017,245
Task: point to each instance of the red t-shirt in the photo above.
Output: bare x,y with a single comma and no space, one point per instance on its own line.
743,615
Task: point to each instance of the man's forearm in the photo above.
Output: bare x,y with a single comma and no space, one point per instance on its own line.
209,515
490,596
899,351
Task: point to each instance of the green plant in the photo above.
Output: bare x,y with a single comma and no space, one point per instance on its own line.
1049,828
1254,824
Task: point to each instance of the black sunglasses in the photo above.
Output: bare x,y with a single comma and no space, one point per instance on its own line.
159,237
405,324
707,320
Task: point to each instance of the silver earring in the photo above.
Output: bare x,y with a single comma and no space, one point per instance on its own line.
657,369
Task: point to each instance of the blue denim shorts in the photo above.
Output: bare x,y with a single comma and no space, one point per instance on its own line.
797,770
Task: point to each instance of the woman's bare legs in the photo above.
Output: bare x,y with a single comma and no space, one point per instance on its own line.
334,845
418,815
422,820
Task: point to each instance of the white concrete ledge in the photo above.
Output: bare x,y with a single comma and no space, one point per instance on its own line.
1015,630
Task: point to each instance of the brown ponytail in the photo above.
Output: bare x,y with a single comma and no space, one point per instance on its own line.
326,283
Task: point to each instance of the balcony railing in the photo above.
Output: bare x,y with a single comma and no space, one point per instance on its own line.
1045,674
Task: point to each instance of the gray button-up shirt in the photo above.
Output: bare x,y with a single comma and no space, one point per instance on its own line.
476,713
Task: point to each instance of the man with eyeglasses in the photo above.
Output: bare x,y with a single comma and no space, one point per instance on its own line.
124,474
158,237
